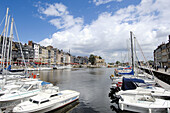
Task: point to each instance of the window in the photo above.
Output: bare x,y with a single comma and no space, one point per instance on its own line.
36,102
44,101
30,100
54,95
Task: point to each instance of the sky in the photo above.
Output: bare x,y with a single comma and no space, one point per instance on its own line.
99,27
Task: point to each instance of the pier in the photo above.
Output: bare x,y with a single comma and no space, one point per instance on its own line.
160,73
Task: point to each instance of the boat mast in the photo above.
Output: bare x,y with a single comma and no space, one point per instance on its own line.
132,49
11,35
2,55
6,42
10,43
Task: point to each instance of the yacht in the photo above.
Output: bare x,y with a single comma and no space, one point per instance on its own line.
47,100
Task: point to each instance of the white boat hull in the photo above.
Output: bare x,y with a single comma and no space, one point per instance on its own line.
151,105
49,106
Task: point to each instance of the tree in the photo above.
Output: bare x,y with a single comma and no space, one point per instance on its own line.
100,57
117,62
92,59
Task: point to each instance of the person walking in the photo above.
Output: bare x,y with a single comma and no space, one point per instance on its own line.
166,68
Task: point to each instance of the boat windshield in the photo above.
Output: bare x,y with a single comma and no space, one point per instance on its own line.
36,102
33,87
24,87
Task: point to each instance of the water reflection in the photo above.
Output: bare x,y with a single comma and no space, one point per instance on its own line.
93,85
67,108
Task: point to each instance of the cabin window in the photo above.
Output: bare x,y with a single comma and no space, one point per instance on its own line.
24,87
30,100
54,95
36,102
34,87
44,101
13,92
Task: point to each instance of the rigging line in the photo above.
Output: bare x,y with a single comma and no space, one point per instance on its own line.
145,58
2,20
20,46
4,30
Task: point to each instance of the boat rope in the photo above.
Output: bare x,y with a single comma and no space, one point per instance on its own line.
20,47
145,58
2,20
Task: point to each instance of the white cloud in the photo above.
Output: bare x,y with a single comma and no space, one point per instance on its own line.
61,17
99,2
107,36
56,9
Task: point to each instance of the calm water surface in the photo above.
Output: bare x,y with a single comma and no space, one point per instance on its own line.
92,83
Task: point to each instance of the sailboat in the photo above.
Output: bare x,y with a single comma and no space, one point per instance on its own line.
135,94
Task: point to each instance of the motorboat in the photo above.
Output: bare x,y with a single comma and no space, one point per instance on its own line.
45,68
68,67
47,100
144,104
28,89
124,71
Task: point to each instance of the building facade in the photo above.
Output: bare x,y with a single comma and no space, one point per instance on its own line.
162,55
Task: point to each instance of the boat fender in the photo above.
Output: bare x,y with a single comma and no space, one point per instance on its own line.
167,110
122,107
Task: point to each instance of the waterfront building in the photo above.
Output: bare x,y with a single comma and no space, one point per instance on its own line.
55,55
162,55
75,60
43,54
36,49
68,58
50,55
99,62
60,60
28,53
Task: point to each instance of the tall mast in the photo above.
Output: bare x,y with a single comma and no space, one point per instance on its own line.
2,56
6,41
132,49
10,43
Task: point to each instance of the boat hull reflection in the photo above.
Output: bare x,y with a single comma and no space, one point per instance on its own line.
67,108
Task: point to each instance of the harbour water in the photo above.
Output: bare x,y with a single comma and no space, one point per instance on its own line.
92,83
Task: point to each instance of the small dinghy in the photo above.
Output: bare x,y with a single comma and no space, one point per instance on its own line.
47,100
